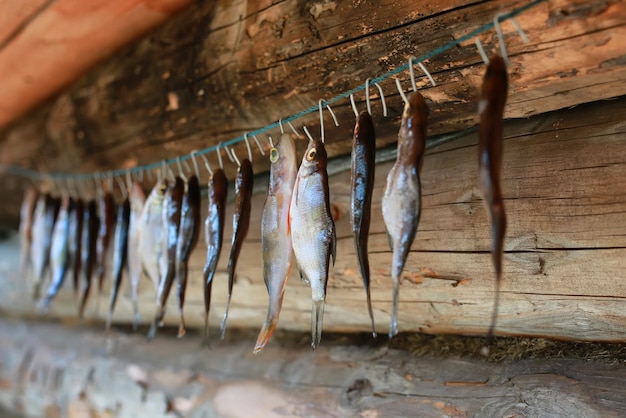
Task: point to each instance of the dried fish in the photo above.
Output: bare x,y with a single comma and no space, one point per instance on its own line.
171,218
91,225
42,238
187,240
313,230
107,218
75,240
137,200
402,200
363,166
214,235
27,213
241,223
59,260
120,253
490,144
276,233
152,233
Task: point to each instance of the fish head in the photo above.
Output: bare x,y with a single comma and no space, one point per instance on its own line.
315,157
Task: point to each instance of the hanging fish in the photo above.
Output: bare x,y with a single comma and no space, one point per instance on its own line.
44,241
313,230
75,239
363,166
38,241
402,199
91,225
107,218
187,240
120,252
214,235
276,233
241,223
490,143
59,260
27,214
171,219
137,200
152,231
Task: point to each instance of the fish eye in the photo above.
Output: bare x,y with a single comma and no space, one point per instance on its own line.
311,154
274,154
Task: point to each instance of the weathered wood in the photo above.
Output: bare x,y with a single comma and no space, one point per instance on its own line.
564,252
223,68
52,371
47,45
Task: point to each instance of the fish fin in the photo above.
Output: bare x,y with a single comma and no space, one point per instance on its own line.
266,333
317,317
225,318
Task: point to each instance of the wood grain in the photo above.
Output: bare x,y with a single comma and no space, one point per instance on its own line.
564,252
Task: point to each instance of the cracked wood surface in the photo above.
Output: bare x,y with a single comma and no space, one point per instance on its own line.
564,251
53,371
222,68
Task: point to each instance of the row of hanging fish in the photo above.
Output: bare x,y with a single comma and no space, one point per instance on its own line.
157,234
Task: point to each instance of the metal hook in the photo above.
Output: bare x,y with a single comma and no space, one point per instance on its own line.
269,138
232,156
129,180
180,169
280,123
481,50
412,73
258,144
496,24
319,104
354,109
382,98
123,189
306,131
195,163
298,135
207,165
401,91
219,156
367,96
245,138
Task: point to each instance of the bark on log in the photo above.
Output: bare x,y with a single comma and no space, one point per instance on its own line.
51,371
564,251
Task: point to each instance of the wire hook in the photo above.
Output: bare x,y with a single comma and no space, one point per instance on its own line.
401,91
180,169
481,50
354,109
423,68
195,163
219,156
258,144
245,138
123,189
232,156
382,98
306,131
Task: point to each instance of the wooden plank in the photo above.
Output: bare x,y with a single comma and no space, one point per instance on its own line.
63,39
52,371
564,251
223,68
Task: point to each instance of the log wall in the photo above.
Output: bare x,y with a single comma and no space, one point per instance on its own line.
564,252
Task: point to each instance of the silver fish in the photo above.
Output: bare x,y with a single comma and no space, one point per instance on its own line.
59,256
137,201
276,233
402,199
313,230
152,233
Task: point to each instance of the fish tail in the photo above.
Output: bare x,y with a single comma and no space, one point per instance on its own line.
205,342
136,317
223,325
181,326
317,318
266,331
393,326
83,301
361,250
498,231
158,319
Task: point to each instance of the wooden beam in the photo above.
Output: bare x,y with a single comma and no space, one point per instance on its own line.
54,371
223,68
46,45
564,250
